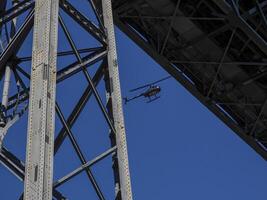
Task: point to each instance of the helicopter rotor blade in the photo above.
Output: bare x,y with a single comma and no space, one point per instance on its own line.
163,79
148,85
139,88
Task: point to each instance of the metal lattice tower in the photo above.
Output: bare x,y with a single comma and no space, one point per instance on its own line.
44,17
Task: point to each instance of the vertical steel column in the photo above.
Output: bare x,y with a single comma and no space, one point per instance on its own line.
41,122
6,86
115,101
5,93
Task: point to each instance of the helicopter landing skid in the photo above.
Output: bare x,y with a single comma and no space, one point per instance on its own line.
153,99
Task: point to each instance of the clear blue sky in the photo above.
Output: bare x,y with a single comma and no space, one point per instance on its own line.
177,148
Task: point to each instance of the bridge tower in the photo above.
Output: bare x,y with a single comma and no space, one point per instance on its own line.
33,91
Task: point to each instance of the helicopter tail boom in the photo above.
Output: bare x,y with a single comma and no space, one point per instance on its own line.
126,100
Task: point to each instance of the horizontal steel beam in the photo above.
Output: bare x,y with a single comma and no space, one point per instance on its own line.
84,167
78,67
63,53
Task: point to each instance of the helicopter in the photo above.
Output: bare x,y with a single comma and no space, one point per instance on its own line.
151,91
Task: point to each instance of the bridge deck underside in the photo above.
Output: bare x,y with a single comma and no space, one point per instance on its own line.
216,49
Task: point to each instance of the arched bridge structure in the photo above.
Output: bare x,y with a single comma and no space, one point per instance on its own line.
215,48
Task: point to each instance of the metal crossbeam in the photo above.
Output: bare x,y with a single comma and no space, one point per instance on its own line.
63,53
79,152
170,27
15,11
221,63
251,133
78,108
79,66
12,163
83,21
83,167
97,14
86,74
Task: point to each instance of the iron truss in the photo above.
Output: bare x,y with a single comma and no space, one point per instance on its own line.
216,49
16,24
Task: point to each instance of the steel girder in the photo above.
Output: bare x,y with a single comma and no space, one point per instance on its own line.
16,11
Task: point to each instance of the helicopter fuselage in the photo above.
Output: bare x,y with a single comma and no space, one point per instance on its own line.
152,91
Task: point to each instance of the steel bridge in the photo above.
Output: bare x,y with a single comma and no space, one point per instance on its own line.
216,49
